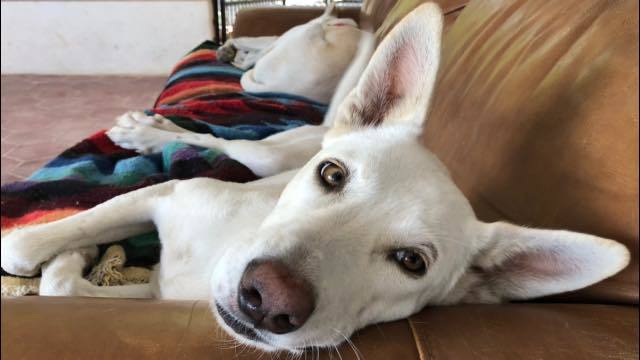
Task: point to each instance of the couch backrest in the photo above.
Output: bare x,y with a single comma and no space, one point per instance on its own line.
536,116
382,15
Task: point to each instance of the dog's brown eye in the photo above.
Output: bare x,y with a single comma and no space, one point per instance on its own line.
411,261
332,174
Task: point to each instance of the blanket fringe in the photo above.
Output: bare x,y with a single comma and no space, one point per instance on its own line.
15,286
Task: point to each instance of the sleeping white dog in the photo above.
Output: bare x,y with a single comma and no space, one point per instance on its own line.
308,60
370,229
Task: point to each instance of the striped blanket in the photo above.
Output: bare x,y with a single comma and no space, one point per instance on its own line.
202,95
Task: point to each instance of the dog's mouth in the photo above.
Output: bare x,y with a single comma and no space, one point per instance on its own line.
238,326
249,333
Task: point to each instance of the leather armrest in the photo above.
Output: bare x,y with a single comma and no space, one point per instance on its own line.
92,328
276,20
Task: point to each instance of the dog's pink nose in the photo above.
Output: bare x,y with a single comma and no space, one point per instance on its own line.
275,298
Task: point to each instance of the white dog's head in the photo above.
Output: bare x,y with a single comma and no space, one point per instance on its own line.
372,228
308,60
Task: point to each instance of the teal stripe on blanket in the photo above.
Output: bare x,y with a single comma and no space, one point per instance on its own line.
250,132
206,70
173,151
125,172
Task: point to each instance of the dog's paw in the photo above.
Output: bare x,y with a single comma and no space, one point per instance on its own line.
138,118
62,275
142,133
226,53
19,255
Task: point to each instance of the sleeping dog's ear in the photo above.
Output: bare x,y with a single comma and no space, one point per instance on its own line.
397,84
516,263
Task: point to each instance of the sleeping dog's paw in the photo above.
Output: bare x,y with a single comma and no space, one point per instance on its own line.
19,255
139,118
227,52
143,133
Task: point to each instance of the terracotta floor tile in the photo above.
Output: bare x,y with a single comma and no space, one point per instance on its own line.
5,148
9,164
26,168
43,115
6,178
37,150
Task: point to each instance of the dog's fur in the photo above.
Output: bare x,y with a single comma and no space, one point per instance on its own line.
396,195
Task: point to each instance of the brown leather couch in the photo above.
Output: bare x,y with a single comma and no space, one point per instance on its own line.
536,116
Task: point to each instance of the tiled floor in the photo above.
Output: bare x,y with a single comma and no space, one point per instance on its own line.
43,115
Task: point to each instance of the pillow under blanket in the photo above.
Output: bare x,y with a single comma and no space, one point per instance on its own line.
202,95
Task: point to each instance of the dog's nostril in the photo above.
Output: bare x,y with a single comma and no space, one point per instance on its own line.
250,303
253,298
282,324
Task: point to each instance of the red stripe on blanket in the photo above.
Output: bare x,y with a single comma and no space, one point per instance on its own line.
37,217
103,143
200,55
220,107
189,89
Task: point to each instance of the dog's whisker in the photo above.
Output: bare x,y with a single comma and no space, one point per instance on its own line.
356,352
261,354
304,346
335,346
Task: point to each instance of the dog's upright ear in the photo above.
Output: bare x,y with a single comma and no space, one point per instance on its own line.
397,84
516,263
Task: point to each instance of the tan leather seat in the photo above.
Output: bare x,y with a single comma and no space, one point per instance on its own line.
91,328
536,117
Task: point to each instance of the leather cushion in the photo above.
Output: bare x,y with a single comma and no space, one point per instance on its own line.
93,328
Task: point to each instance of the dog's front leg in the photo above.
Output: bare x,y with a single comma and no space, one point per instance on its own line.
24,249
275,154
270,156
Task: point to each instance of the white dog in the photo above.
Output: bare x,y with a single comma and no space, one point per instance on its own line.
308,60
370,229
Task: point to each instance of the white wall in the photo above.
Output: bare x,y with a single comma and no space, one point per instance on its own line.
100,37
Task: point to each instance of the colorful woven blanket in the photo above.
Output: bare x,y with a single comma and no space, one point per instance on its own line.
202,95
